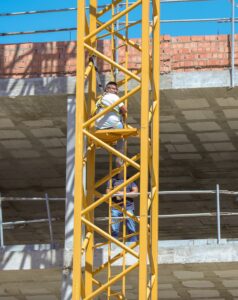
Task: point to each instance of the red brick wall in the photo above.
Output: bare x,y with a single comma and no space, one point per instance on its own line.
199,52
178,54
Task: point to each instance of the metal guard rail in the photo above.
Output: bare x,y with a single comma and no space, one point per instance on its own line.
218,214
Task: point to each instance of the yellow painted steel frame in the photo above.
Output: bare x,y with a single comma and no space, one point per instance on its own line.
86,284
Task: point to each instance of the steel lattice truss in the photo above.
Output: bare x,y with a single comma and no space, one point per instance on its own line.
144,165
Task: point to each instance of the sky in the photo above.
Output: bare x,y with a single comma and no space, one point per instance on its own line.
47,21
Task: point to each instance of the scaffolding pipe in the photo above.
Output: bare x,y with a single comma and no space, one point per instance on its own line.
233,43
49,220
187,192
194,215
170,1
37,31
190,192
26,222
1,224
30,199
220,20
33,12
218,214
182,192
70,9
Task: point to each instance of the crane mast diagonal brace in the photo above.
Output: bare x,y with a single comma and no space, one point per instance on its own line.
87,283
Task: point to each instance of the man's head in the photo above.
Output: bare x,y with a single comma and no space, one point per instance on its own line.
111,87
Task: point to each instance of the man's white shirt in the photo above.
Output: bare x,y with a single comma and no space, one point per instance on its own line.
113,118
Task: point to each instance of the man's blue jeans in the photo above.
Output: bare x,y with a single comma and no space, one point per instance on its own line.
130,225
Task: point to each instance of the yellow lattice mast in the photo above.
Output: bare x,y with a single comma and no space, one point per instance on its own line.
144,165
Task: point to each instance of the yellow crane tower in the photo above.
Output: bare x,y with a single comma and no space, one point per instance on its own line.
93,25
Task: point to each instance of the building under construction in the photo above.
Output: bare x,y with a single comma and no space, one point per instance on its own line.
179,147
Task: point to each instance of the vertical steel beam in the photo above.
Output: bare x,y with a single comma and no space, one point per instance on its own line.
90,178
232,43
117,10
110,221
124,279
144,150
113,44
218,214
1,224
155,147
79,149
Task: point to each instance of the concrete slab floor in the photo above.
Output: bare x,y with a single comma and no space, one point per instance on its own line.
191,281
198,149
30,285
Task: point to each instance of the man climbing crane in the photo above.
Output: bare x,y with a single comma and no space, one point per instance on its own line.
114,118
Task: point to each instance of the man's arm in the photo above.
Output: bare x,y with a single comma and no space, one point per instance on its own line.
123,110
117,197
134,189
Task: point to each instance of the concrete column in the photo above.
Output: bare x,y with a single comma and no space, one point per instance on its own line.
66,293
69,204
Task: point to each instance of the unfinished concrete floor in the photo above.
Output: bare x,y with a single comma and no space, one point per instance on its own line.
189,281
199,130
